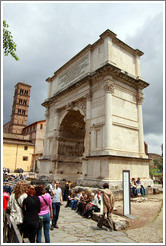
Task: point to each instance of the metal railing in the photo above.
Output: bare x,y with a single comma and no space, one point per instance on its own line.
11,234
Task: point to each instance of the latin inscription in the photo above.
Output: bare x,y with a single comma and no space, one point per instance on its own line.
73,72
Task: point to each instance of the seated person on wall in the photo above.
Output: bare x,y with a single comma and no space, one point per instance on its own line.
70,198
72,203
86,200
76,199
133,187
80,205
140,188
93,205
99,196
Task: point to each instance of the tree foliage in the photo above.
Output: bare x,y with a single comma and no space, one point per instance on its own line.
158,163
9,45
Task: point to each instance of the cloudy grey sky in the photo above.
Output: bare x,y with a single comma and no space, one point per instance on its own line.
48,34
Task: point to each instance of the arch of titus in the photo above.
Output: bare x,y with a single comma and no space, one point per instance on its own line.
94,126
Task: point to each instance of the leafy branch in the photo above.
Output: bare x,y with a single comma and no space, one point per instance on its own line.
9,46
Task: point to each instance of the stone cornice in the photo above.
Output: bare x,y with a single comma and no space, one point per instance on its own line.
117,157
66,90
114,38
107,69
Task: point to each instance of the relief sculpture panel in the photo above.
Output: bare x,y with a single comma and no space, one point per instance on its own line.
70,149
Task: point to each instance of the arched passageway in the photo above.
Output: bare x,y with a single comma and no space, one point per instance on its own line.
71,144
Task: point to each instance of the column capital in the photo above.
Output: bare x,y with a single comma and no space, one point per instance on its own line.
109,84
140,98
109,87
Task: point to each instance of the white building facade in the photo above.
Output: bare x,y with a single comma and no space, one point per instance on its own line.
94,125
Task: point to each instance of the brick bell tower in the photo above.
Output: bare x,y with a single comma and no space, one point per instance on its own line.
20,108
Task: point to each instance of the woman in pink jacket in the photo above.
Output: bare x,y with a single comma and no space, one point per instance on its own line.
45,212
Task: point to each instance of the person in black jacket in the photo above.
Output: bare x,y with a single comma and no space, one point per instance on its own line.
31,208
66,192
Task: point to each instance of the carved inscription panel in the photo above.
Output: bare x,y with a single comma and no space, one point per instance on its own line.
76,70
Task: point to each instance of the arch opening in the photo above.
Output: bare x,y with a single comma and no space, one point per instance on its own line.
71,144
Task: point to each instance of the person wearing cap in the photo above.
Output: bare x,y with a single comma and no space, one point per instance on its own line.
108,205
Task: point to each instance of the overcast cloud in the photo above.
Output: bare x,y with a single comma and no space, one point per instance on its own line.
49,34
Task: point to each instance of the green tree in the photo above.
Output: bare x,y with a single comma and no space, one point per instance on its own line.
9,45
159,163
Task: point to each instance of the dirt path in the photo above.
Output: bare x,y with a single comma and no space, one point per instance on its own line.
150,233
147,227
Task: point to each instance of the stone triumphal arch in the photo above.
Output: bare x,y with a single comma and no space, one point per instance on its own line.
94,126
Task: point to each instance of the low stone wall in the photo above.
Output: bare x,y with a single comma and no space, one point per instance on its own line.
119,221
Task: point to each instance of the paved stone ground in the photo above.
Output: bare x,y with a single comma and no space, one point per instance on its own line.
146,228
73,228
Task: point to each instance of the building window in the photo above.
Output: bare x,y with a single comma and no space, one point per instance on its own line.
21,91
20,101
23,112
25,147
19,111
25,158
26,92
24,102
41,126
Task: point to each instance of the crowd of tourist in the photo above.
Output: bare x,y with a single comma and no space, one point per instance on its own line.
30,208
137,189
36,207
84,202
33,207
10,181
